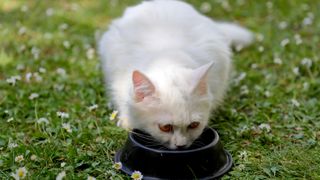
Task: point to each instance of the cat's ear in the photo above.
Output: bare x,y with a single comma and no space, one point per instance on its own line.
199,79
142,86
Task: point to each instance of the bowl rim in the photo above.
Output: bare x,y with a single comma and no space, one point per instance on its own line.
223,170
211,144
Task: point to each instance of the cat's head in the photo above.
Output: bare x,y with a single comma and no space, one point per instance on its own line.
173,107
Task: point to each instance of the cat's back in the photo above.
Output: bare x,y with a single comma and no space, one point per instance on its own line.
157,24
153,28
165,11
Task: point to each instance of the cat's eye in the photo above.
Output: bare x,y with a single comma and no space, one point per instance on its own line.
166,128
193,125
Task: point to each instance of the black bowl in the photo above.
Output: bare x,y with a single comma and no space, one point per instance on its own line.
205,159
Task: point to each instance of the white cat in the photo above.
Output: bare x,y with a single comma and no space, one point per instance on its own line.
167,67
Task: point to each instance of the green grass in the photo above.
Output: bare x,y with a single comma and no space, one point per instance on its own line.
270,94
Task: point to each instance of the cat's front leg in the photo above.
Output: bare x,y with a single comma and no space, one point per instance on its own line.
123,122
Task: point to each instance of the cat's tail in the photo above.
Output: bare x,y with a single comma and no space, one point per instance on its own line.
238,36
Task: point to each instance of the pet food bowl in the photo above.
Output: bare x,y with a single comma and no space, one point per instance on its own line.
205,159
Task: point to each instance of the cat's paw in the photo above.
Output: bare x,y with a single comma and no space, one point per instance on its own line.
123,122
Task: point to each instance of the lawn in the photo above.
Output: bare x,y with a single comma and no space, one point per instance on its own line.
55,114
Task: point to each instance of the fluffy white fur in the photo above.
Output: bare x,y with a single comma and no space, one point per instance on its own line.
165,63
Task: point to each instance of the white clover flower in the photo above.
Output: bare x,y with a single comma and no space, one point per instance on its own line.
243,155
298,39
66,44
296,71
260,48
117,165
254,66
42,120
113,115
58,87
90,53
10,119
49,12
21,173
63,164
12,145
225,5
205,7
306,62
307,21
267,93
284,42
265,126
62,115
13,79
35,52
21,49
244,90
259,37
28,76
19,158
33,96
22,30
33,157
283,25
277,60
47,35
136,175
258,88
61,175
61,71
295,102
306,86
99,139
91,178
241,167
268,76
67,127
241,76
269,5
24,8
239,47
74,6
93,107
37,77
42,70
63,26
20,67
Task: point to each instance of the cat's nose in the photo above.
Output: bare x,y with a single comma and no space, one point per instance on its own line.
181,147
